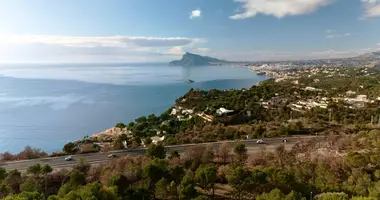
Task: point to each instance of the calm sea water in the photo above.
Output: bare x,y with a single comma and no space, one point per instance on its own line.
47,105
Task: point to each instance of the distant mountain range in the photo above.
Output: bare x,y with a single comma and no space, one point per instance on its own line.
190,59
372,55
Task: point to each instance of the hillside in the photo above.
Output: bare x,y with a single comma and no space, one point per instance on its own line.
190,59
371,55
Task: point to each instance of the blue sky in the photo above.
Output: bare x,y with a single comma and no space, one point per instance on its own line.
161,30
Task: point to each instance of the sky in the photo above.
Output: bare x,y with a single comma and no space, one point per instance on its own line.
162,30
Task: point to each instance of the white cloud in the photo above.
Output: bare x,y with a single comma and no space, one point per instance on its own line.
106,41
195,13
330,36
371,8
176,50
51,48
285,55
278,8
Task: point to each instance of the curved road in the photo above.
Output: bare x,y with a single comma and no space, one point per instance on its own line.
99,158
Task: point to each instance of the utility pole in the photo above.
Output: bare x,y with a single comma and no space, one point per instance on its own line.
371,119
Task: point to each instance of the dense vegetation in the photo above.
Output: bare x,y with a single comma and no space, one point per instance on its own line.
339,167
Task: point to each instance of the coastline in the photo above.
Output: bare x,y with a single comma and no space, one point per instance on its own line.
73,109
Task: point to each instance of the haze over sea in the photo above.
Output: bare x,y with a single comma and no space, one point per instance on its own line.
48,105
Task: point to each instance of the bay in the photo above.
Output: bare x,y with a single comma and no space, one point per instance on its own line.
48,105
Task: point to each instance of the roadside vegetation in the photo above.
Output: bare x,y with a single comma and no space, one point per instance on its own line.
340,167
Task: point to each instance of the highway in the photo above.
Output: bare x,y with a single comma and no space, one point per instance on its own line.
99,158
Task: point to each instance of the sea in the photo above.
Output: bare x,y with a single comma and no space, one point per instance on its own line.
47,105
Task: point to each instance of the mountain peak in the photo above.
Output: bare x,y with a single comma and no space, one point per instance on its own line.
191,59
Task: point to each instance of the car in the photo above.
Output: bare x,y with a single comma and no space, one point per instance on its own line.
69,158
284,140
111,155
260,142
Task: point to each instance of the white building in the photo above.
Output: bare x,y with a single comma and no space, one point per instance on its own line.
350,92
188,111
156,139
174,112
222,111
312,89
362,98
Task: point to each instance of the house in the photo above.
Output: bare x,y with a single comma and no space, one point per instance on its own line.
206,117
362,98
174,112
222,111
188,111
312,89
349,93
156,139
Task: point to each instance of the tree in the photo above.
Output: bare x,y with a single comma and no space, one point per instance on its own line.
241,152
206,177
154,171
118,143
186,189
156,151
4,190
176,173
240,180
137,194
120,125
29,185
122,184
294,196
35,170
92,191
70,148
165,190
281,178
174,154
356,160
374,191
275,194
26,196
45,170
77,178
161,191
224,152
14,180
3,174
82,165
332,196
